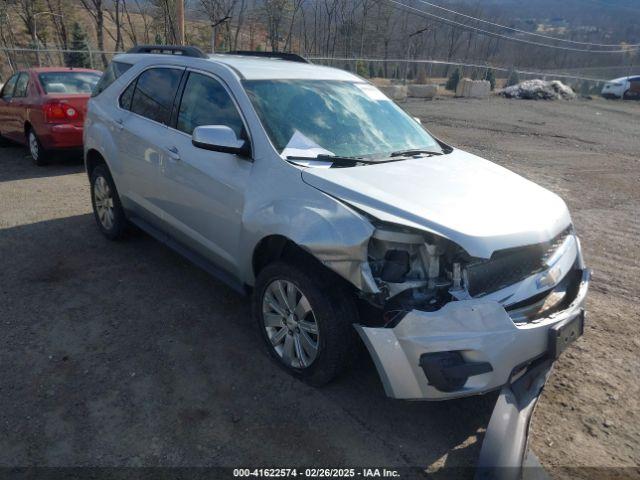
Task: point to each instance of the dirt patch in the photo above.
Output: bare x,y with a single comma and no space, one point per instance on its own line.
163,367
587,152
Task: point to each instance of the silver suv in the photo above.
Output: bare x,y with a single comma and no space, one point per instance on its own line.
306,187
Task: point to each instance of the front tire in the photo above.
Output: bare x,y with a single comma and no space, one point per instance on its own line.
305,321
107,208
39,155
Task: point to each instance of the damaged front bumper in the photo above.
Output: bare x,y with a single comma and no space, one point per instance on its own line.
475,342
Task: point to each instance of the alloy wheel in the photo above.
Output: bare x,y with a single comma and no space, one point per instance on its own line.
290,324
103,200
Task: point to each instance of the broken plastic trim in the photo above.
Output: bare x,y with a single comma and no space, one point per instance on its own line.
505,442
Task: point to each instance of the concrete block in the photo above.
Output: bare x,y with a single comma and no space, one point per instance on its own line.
395,92
423,91
381,82
473,88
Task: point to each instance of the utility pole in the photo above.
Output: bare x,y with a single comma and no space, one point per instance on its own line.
180,20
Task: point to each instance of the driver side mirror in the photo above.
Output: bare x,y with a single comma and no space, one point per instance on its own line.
220,138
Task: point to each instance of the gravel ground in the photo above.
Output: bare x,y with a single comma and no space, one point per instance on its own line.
125,354
589,153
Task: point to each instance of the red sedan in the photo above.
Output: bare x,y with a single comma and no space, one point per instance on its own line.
44,108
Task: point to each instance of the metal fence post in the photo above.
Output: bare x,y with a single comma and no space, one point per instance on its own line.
90,55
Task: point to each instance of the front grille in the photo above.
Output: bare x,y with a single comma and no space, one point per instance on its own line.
511,265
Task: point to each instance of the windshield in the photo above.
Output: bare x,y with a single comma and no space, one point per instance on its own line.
68,82
341,118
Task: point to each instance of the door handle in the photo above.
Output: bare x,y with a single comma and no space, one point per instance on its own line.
119,124
173,153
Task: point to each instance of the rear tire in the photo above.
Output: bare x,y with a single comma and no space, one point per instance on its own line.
39,155
107,208
291,327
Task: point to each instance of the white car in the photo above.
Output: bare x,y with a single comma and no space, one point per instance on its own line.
308,188
627,88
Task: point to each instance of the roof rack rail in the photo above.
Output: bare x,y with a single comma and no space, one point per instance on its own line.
291,57
169,50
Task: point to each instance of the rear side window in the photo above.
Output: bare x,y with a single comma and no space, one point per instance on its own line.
127,96
21,85
7,91
68,82
206,102
111,74
154,93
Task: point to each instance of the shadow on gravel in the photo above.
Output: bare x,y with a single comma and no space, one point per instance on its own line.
123,353
17,164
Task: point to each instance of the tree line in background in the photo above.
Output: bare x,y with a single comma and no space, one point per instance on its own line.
336,29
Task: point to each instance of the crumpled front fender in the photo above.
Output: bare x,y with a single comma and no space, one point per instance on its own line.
332,232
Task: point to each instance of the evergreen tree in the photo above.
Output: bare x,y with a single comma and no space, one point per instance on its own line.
513,79
361,68
79,58
452,81
491,77
372,70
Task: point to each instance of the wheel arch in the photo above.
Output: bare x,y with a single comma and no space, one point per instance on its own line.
279,247
93,158
26,127
329,235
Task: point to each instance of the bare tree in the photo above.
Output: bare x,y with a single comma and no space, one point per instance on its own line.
115,16
26,10
297,4
61,8
6,36
164,19
219,12
95,8
131,31
240,24
143,8
275,11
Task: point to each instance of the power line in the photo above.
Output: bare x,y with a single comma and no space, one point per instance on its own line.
513,29
498,35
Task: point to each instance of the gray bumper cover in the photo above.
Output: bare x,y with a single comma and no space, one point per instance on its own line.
505,443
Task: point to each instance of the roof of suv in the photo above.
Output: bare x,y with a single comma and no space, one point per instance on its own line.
252,68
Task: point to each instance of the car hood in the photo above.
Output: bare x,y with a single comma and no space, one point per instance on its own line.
475,203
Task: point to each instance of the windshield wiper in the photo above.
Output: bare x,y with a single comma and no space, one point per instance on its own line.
410,152
349,161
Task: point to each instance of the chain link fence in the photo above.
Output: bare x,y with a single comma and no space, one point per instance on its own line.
395,69
407,71
13,59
